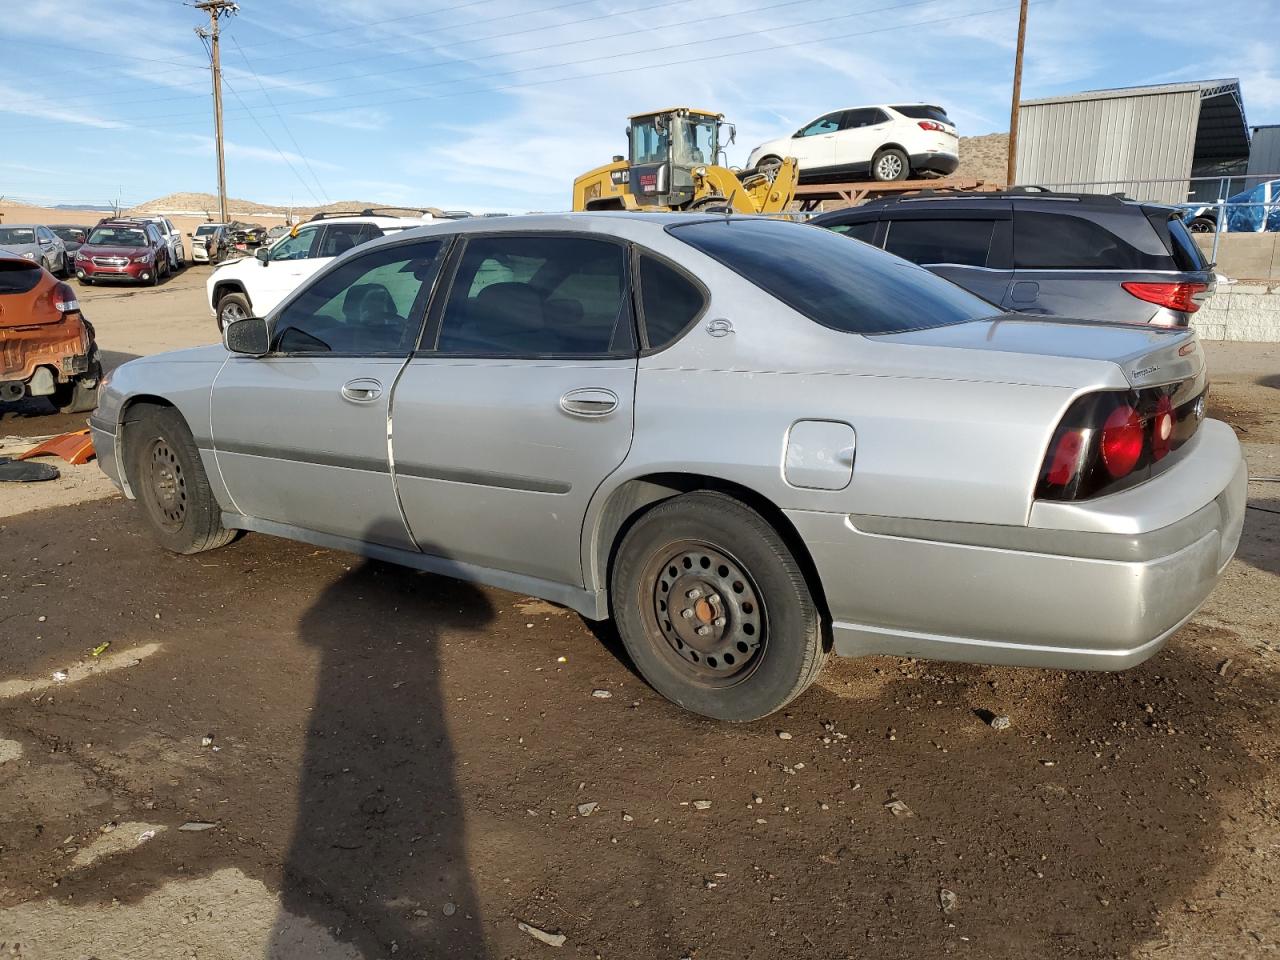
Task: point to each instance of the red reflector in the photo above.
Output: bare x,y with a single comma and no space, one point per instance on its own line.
1066,457
1121,441
930,125
1162,428
1175,296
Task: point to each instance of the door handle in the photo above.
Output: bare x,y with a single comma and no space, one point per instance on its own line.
589,402
362,390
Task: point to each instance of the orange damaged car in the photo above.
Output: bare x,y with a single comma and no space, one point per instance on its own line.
47,347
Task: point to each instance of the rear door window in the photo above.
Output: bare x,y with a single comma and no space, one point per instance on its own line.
340,237
864,230
1059,241
962,242
851,287
862,117
526,296
669,300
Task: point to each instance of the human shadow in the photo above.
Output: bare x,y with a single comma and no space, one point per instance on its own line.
377,851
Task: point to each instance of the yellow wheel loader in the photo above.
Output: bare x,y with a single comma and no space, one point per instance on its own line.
674,164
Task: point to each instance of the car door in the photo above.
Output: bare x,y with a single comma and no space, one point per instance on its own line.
970,248
50,248
814,144
288,263
519,402
301,435
861,134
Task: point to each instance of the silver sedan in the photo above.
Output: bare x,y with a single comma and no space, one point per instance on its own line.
749,442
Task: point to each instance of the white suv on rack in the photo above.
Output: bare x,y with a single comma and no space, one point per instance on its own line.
883,142
254,286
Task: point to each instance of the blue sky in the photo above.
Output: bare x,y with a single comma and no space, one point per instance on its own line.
498,104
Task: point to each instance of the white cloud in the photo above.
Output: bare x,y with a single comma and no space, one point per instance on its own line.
17,101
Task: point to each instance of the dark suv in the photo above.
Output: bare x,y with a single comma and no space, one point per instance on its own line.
1077,255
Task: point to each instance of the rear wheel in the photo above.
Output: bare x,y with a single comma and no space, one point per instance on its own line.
769,166
890,164
714,610
77,396
1203,225
168,479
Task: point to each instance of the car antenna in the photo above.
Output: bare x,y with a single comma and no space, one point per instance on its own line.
728,205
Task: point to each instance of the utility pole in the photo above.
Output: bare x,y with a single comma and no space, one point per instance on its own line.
1012,170
217,9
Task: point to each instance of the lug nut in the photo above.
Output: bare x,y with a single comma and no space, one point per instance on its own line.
703,631
694,594
719,621
687,614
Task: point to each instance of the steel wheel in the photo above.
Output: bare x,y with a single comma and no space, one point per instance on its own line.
168,484
706,607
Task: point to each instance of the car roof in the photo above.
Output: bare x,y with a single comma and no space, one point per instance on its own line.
29,226
1037,199
616,223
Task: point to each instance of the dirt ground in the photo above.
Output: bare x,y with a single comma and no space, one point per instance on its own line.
290,753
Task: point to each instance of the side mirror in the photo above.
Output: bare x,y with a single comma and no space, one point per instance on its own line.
249,337
262,253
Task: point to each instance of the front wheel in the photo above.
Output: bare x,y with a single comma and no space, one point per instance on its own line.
234,306
891,164
169,482
714,610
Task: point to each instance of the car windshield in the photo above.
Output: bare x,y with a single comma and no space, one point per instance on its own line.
17,235
839,283
117,237
74,234
695,140
920,112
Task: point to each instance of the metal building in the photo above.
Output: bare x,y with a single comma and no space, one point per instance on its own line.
1114,140
1264,154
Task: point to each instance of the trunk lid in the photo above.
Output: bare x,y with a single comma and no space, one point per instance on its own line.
1148,355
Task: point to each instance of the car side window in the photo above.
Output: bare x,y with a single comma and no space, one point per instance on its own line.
828,124
669,302
1048,241
297,247
865,117
371,305
964,242
154,233
864,230
338,238
45,235
524,296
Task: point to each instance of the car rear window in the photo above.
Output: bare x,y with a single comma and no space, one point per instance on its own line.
18,276
1057,241
851,287
864,230
918,112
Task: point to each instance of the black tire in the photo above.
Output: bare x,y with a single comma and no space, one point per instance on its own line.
1203,225
76,396
233,302
765,637
890,164
169,482
769,165
716,204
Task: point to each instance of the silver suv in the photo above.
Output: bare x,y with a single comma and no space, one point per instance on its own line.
748,441
1092,256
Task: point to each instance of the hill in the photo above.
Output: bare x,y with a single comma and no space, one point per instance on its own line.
985,158
236,207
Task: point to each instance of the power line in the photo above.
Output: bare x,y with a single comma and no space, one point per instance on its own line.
301,152
581,61
275,146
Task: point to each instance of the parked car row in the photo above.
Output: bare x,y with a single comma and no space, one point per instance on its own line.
507,401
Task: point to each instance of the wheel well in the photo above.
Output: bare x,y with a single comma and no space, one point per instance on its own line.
132,412
889,146
634,498
220,290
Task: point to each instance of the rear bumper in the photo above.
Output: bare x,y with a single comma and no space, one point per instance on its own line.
1087,594
943,163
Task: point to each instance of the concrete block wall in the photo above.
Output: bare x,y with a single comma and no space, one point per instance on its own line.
1241,311
1245,256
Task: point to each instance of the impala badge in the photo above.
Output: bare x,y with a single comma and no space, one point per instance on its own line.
1146,371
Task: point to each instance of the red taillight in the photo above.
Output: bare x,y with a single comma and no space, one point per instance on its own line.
1066,458
64,299
1121,441
930,125
1175,296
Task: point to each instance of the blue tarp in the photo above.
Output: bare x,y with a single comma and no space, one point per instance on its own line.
1256,210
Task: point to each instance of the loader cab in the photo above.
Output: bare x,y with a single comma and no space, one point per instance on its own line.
665,147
